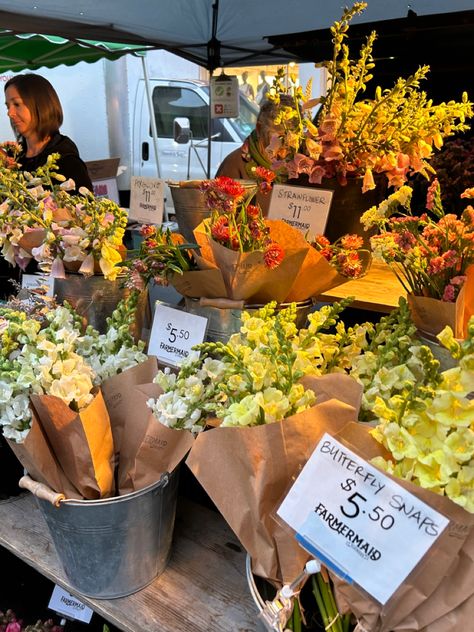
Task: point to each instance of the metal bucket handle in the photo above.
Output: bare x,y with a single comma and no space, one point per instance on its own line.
41,490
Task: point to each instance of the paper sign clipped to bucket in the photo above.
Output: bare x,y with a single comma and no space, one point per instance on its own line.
360,522
174,333
146,200
304,208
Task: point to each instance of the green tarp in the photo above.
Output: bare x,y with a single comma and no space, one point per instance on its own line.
33,51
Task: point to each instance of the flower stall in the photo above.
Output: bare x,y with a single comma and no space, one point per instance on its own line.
336,453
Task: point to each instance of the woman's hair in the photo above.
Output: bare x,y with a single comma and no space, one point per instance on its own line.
42,101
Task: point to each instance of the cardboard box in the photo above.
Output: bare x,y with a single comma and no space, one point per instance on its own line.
103,174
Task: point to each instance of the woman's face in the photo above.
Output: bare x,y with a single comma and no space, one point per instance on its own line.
18,113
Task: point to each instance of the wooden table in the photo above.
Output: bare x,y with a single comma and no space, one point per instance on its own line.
378,291
203,589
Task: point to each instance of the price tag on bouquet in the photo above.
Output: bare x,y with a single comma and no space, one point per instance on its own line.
358,521
305,208
174,333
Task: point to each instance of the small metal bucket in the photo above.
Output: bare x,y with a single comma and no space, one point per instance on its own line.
95,298
223,322
114,547
190,206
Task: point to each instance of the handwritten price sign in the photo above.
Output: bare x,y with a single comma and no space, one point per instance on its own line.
146,200
304,208
174,333
361,523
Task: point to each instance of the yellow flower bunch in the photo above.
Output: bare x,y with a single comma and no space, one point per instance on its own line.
429,429
394,133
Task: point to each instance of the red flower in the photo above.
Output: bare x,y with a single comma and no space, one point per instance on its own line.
253,210
352,242
220,229
265,174
273,255
229,187
146,230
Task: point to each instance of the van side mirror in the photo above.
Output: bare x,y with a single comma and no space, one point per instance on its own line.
181,130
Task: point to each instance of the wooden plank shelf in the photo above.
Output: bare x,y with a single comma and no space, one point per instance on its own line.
203,589
378,291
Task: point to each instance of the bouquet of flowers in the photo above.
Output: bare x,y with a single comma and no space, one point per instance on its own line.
161,255
240,257
61,400
39,219
394,133
431,257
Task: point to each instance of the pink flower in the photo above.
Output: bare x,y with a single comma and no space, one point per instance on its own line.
448,294
328,128
87,266
317,174
13,626
57,269
303,163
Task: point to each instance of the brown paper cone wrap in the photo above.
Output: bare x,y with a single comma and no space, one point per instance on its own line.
116,391
245,275
248,471
443,579
37,457
150,448
247,278
197,283
82,443
431,315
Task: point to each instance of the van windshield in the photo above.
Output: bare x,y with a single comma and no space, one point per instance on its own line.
247,119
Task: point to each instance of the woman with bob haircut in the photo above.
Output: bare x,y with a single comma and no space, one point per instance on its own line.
36,115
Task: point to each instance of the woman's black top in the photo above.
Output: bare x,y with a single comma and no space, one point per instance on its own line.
70,164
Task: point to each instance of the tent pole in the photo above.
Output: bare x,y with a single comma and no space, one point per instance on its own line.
209,134
154,133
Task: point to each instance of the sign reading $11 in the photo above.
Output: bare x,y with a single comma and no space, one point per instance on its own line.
305,208
360,522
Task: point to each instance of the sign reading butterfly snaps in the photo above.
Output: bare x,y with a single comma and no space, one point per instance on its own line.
361,523
146,200
305,208
174,333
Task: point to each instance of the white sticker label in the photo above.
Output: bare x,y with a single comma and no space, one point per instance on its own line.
66,604
36,281
174,333
146,200
304,208
359,521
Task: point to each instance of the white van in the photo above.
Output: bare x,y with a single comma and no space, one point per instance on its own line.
187,101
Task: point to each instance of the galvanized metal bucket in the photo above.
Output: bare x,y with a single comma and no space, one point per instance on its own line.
190,206
114,547
95,298
223,322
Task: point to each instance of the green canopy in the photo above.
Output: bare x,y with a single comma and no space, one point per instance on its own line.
33,51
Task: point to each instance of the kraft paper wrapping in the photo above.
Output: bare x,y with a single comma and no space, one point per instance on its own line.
117,389
248,471
197,283
82,443
439,591
431,315
150,448
37,457
244,274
